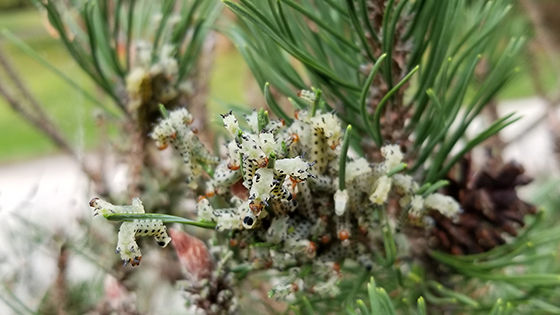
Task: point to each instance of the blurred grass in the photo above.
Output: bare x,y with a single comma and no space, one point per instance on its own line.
68,108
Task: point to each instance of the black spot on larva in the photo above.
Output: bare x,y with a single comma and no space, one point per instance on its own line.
248,221
161,243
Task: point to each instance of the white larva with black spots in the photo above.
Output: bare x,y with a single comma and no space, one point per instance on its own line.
296,168
277,230
204,210
127,247
253,121
307,96
445,205
318,154
299,136
404,184
233,155
416,206
359,175
381,190
231,124
175,130
322,183
291,197
393,156
224,177
103,207
263,182
128,231
153,228
251,148
163,133
306,200
181,117
330,126
229,218
268,144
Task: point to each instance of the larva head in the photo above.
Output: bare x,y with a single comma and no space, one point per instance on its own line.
256,207
302,115
135,261
101,206
126,243
311,249
302,246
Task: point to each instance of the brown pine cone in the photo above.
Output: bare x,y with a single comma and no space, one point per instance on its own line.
491,207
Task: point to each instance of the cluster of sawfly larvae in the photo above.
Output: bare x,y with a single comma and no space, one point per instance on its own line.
275,193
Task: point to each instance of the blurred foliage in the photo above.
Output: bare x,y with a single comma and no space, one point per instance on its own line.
70,110
13,4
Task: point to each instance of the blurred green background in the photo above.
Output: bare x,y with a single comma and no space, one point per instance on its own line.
74,114
69,109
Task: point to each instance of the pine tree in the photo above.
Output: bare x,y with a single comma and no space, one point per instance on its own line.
353,188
